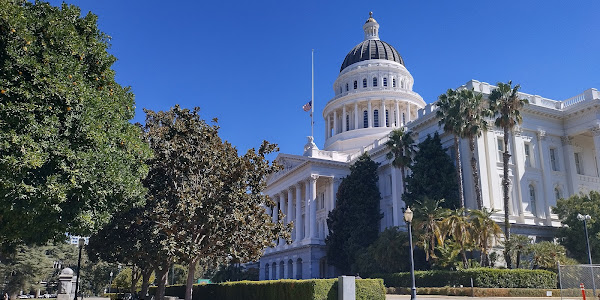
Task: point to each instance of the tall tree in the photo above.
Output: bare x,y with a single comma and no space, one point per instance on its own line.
506,106
209,199
69,157
402,148
431,175
484,230
23,269
354,222
457,226
428,225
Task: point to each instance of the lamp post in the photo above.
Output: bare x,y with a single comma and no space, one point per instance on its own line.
408,216
584,218
110,282
80,243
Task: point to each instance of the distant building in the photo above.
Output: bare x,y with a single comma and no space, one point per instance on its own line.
554,152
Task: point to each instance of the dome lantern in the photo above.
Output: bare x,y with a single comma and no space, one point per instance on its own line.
371,28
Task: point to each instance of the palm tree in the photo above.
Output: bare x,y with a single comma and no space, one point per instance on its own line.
483,230
463,114
457,226
428,217
505,105
402,147
518,245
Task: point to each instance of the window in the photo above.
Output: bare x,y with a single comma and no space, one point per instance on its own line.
557,193
355,84
532,199
528,161
390,185
553,161
322,200
395,119
384,81
404,118
387,118
376,118
347,122
346,87
393,82
374,81
500,148
364,83
578,165
365,119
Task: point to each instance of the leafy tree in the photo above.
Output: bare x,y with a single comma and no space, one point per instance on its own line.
572,235
428,225
207,199
354,222
402,148
432,175
484,230
506,105
69,158
546,255
519,245
458,227
24,269
387,254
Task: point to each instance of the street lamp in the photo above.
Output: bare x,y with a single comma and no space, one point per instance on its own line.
584,218
408,216
110,282
80,243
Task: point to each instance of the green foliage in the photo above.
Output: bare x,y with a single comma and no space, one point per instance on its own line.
234,272
24,269
313,289
572,235
388,254
69,157
427,223
402,148
433,175
354,222
483,292
482,277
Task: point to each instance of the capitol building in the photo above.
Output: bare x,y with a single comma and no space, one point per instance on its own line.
555,154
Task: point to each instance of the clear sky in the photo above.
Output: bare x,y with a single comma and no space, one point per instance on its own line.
248,63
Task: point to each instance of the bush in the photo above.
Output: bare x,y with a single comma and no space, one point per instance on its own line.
480,292
312,289
482,277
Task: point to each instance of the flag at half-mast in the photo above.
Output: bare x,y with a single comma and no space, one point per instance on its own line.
307,106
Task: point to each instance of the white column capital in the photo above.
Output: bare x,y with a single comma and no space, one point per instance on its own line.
313,178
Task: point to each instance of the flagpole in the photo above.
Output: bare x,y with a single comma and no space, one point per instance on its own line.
312,95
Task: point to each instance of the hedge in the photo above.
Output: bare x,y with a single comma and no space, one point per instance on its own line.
481,292
312,289
482,277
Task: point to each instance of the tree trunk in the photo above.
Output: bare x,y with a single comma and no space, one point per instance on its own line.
505,183
461,194
145,284
190,278
518,262
161,274
475,170
403,175
135,277
464,258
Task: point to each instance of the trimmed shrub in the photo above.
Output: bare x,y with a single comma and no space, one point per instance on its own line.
482,277
312,289
479,292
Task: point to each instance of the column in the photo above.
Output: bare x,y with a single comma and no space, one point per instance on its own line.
596,136
518,172
356,115
344,128
382,114
274,212
545,166
307,223
369,114
289,206
331,202
283,205
313,205
569,158
328,126
397,114
395,206
298,226
407,113
335,126
285,270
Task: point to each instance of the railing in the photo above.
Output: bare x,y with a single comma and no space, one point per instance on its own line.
368,148
573,100
592,179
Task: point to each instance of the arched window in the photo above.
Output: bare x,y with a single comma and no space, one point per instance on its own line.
384,81
387,118
393,82
364,83
376,118
346,87
267,272
274,271
290,274
299,268
281,270
532,199
347,122
395,118
402,84
557,193
403,118
355,84
374,81
365,119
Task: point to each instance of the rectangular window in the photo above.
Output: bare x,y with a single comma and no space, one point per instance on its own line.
387,118
322,200
528,161
532,200
500,149
365,119
553,161
578,164
376,118
390,184
384,81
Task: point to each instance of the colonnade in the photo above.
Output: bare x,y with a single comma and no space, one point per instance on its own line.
367,114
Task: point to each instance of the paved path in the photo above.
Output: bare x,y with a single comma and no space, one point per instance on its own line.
436,297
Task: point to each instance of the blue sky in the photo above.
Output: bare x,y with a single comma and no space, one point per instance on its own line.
247,63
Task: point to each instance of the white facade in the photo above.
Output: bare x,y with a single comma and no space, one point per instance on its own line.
555,154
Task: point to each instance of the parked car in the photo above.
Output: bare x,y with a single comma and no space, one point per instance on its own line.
23,297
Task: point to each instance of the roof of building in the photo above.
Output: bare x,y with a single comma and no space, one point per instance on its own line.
371,49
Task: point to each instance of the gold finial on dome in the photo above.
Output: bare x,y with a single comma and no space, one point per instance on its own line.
370,19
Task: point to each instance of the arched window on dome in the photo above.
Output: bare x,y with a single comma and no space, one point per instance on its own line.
355,84
365,119
364,83
387,118
376,118
402,84
384,81
346,87
393,82
347,122
374,81
533,206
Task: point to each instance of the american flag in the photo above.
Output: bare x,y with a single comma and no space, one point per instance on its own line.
307,106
